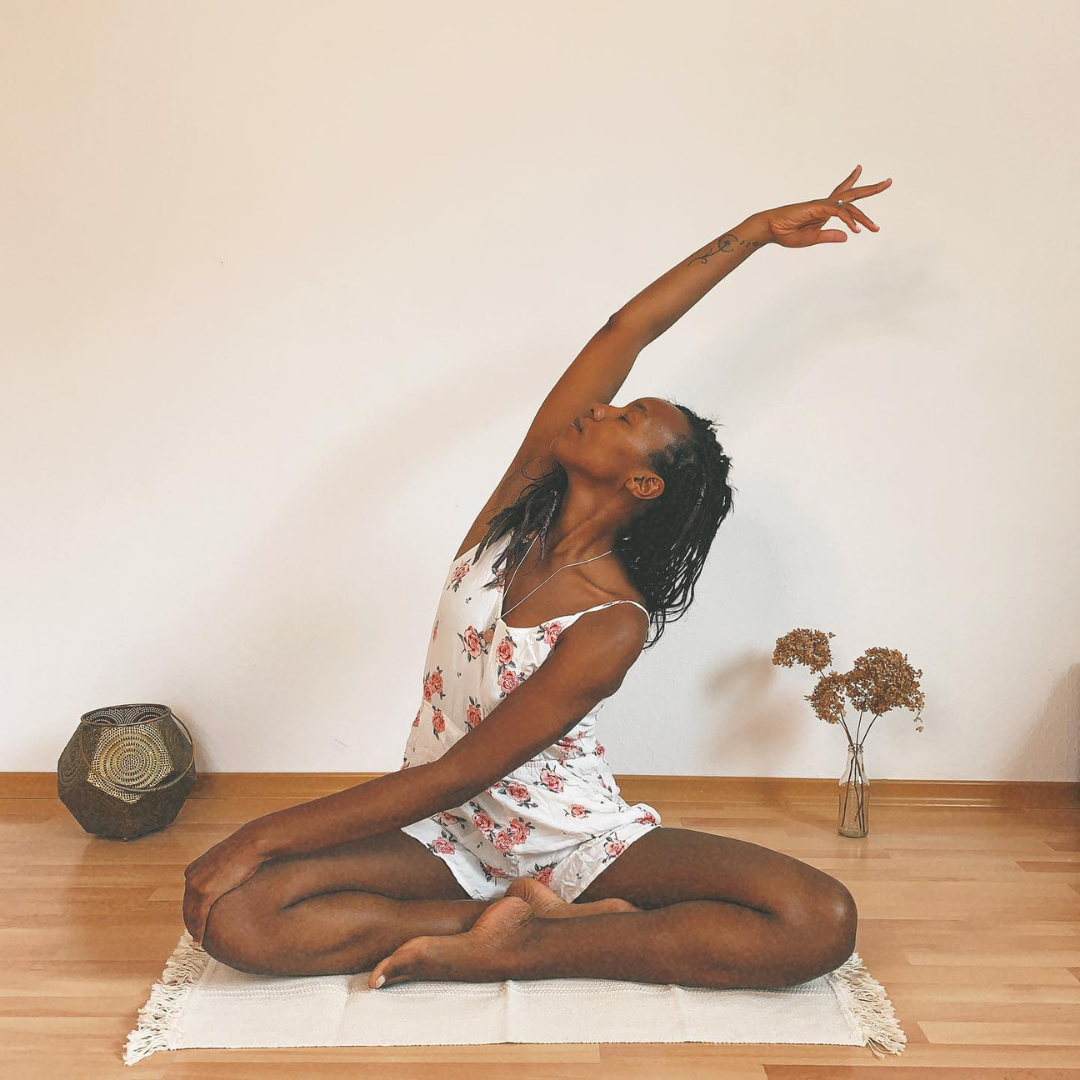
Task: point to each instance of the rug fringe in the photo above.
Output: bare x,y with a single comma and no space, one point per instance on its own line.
869,1004
157,1018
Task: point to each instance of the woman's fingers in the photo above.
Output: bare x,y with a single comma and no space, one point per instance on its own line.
199,922
860,193
848,180
863,192
857,213
852,213
849,217
844,213
194,914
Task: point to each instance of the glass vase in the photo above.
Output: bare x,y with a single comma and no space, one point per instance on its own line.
853,818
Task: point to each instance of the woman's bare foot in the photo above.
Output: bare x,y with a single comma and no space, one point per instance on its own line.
549,905
482,954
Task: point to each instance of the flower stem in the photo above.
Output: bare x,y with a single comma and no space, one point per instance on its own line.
851,742
872,723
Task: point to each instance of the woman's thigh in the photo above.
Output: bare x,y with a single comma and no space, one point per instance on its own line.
391,864
670,865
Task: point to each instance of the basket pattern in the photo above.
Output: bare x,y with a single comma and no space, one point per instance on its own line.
132,757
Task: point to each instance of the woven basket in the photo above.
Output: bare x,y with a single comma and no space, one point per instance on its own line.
126,770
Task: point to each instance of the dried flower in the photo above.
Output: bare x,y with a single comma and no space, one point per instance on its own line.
809,647
881,679
827,699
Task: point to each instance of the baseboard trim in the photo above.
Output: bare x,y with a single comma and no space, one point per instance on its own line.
638,787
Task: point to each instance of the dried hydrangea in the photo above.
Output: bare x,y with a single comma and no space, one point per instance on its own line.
809,647
827,700
881,679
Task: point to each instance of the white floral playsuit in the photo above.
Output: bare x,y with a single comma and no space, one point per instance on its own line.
558,818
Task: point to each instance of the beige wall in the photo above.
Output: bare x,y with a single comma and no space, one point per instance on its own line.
283,285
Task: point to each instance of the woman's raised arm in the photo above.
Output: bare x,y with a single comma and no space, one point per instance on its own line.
600,369
670,297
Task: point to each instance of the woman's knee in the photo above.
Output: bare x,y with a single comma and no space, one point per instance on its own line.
819,922
239,930
840,911
823,931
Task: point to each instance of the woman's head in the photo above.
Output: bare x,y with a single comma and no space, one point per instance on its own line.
612,446
656,471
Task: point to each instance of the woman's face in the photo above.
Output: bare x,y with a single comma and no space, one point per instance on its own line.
612,441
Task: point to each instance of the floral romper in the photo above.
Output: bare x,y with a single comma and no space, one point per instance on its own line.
558,818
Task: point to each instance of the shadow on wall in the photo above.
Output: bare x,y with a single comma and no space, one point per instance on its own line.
895,298
747,716
1060,713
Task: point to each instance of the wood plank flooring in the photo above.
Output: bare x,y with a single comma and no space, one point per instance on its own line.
968,896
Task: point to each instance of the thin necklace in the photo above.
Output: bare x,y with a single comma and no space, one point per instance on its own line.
547,579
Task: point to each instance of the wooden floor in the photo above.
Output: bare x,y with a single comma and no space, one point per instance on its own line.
969,914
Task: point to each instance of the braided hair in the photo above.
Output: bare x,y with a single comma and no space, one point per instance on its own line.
664,547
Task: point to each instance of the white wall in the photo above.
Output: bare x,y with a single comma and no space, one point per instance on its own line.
284,283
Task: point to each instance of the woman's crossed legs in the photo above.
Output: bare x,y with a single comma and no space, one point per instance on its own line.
340,909
696,909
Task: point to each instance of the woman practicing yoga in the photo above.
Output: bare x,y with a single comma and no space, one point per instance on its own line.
502,848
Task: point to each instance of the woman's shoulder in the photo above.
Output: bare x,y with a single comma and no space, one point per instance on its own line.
618,585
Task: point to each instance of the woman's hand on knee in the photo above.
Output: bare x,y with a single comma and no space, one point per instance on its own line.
223,868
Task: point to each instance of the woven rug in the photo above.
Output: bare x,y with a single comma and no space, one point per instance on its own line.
202,1003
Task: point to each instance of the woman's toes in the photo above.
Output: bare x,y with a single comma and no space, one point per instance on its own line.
543,900
548,904
400,966
381,973
482,954
618,904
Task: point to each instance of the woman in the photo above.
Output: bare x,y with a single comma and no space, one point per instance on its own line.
382,877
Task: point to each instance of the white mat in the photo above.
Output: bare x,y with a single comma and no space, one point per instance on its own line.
202,1003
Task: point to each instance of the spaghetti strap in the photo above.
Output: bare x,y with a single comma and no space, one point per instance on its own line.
609,604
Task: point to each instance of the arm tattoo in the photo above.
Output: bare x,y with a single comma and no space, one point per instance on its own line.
724,245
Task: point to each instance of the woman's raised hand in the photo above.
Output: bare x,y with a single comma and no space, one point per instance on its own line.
800,224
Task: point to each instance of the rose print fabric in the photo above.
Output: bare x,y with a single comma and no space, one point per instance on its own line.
558,818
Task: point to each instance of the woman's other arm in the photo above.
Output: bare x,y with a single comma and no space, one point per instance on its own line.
385,803
588,665
376,806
